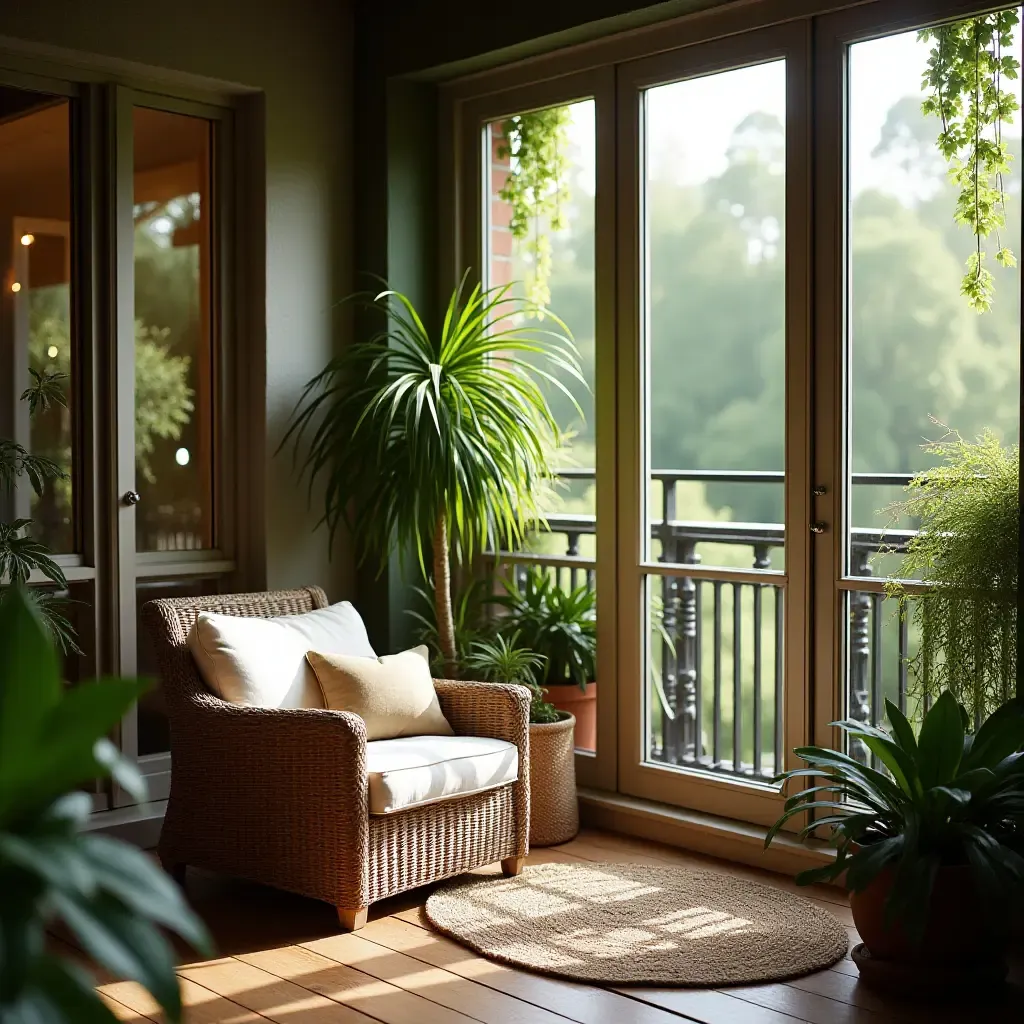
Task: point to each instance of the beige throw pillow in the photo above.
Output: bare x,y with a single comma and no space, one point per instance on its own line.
394,695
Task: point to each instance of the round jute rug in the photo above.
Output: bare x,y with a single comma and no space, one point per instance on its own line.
631,924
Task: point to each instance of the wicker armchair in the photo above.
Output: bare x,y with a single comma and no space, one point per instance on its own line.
280,796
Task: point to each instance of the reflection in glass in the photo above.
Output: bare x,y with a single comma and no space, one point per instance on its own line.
714,225
173,332
36,333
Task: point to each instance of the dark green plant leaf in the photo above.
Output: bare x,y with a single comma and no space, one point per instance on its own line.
137,882
69,991
125,944
1000,735
941,742
29,686
901,728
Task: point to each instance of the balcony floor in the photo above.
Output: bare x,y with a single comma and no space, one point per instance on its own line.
398,971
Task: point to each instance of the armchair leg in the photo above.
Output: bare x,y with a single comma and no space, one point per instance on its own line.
352,919
511,866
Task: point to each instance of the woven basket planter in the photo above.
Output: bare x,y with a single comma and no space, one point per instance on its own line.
554,814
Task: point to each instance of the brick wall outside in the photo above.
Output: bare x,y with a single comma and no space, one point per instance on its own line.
500,241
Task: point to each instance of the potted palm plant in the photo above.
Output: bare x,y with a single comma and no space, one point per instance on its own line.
112,898
967,549
439,440
554,813
930,848
561,625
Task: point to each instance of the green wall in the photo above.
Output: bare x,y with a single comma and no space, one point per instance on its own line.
296,60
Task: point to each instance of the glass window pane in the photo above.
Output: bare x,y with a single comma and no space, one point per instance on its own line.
174,342
36,326
539,237
714,317
920,361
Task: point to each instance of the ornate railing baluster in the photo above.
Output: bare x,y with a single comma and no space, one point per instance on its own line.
860,652
681,638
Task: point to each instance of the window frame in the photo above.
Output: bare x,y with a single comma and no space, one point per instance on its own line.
815,460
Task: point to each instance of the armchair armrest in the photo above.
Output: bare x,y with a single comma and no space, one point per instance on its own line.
501,712
286,787
487,709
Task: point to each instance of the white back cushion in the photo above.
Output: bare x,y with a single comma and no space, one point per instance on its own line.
263,661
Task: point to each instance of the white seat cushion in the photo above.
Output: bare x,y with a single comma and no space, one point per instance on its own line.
415,770
262,662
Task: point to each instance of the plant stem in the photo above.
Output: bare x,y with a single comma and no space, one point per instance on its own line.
443,597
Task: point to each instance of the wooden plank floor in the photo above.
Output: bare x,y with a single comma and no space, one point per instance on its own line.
281,959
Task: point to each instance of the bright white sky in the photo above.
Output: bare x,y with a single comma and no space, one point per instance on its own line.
692,122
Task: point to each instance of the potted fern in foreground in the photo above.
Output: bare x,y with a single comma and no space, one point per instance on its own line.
930,848
554,813
111,897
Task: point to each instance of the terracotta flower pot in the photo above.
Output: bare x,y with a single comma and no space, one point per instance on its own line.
554,812
958,929
582,706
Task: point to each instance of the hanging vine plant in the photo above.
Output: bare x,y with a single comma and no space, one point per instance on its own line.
965,83
536,188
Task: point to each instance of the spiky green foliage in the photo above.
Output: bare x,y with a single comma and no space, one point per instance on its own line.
467,620
949,797
437,437
559,624
500,659
109,895
967,549
966,79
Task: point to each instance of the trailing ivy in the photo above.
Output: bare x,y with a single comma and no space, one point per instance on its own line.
969,64
536,188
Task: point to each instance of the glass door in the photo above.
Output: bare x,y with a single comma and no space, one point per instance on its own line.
714,389
913,357
174,483
542,224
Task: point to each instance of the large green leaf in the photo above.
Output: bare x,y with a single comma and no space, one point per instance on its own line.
940,744
124,943
902,730
133,878
1000,735
69,991
29,686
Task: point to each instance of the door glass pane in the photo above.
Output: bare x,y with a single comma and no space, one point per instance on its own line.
36,326
539,237
921,362
174,344
714,676
714,309
714,317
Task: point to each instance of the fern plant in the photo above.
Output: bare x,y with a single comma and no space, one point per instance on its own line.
20,553
967,551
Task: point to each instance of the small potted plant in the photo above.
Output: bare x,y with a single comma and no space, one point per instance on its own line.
561,626
930,848
554,814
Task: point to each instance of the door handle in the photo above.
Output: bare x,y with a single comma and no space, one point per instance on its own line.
130,498
818,527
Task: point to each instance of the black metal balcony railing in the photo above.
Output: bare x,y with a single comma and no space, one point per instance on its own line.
698,716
